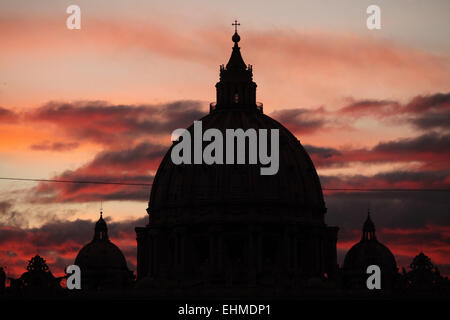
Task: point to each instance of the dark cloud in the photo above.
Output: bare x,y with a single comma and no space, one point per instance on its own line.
9,216
370,107
83,192
57,232
322,152
143,154
432,150
54,146
139,163
427,178
117,124
418,104
425,112
437,101
433,120
402,210
7,115
431,142
430,112
391,180
130,165
301,121
82,231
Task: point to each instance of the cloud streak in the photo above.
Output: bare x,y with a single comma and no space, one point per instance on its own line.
7,115
55,146
108,124
133,165
301,121
425,112
431,150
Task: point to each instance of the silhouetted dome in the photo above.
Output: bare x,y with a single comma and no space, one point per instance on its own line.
187,190
101,254
102,263
369,251
228,228
295,189
366,253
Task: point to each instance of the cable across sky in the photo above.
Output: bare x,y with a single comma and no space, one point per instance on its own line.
150,184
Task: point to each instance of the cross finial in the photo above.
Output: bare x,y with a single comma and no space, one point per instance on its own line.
235,24
101,208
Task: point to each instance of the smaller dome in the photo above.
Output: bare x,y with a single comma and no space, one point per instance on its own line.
368,251
102,264
101,255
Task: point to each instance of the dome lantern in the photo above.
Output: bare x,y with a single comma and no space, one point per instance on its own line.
101,229
368,229
236,88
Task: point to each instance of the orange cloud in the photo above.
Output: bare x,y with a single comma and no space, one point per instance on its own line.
293,68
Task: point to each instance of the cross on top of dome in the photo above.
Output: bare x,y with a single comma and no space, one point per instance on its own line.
236,89
236,38
235,24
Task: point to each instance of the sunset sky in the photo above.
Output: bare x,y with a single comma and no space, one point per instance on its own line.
372,107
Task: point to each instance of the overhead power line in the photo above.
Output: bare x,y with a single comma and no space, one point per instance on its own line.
150,184
77,181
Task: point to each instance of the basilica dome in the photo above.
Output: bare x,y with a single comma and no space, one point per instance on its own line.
101,254
221,225
295,190
183,191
